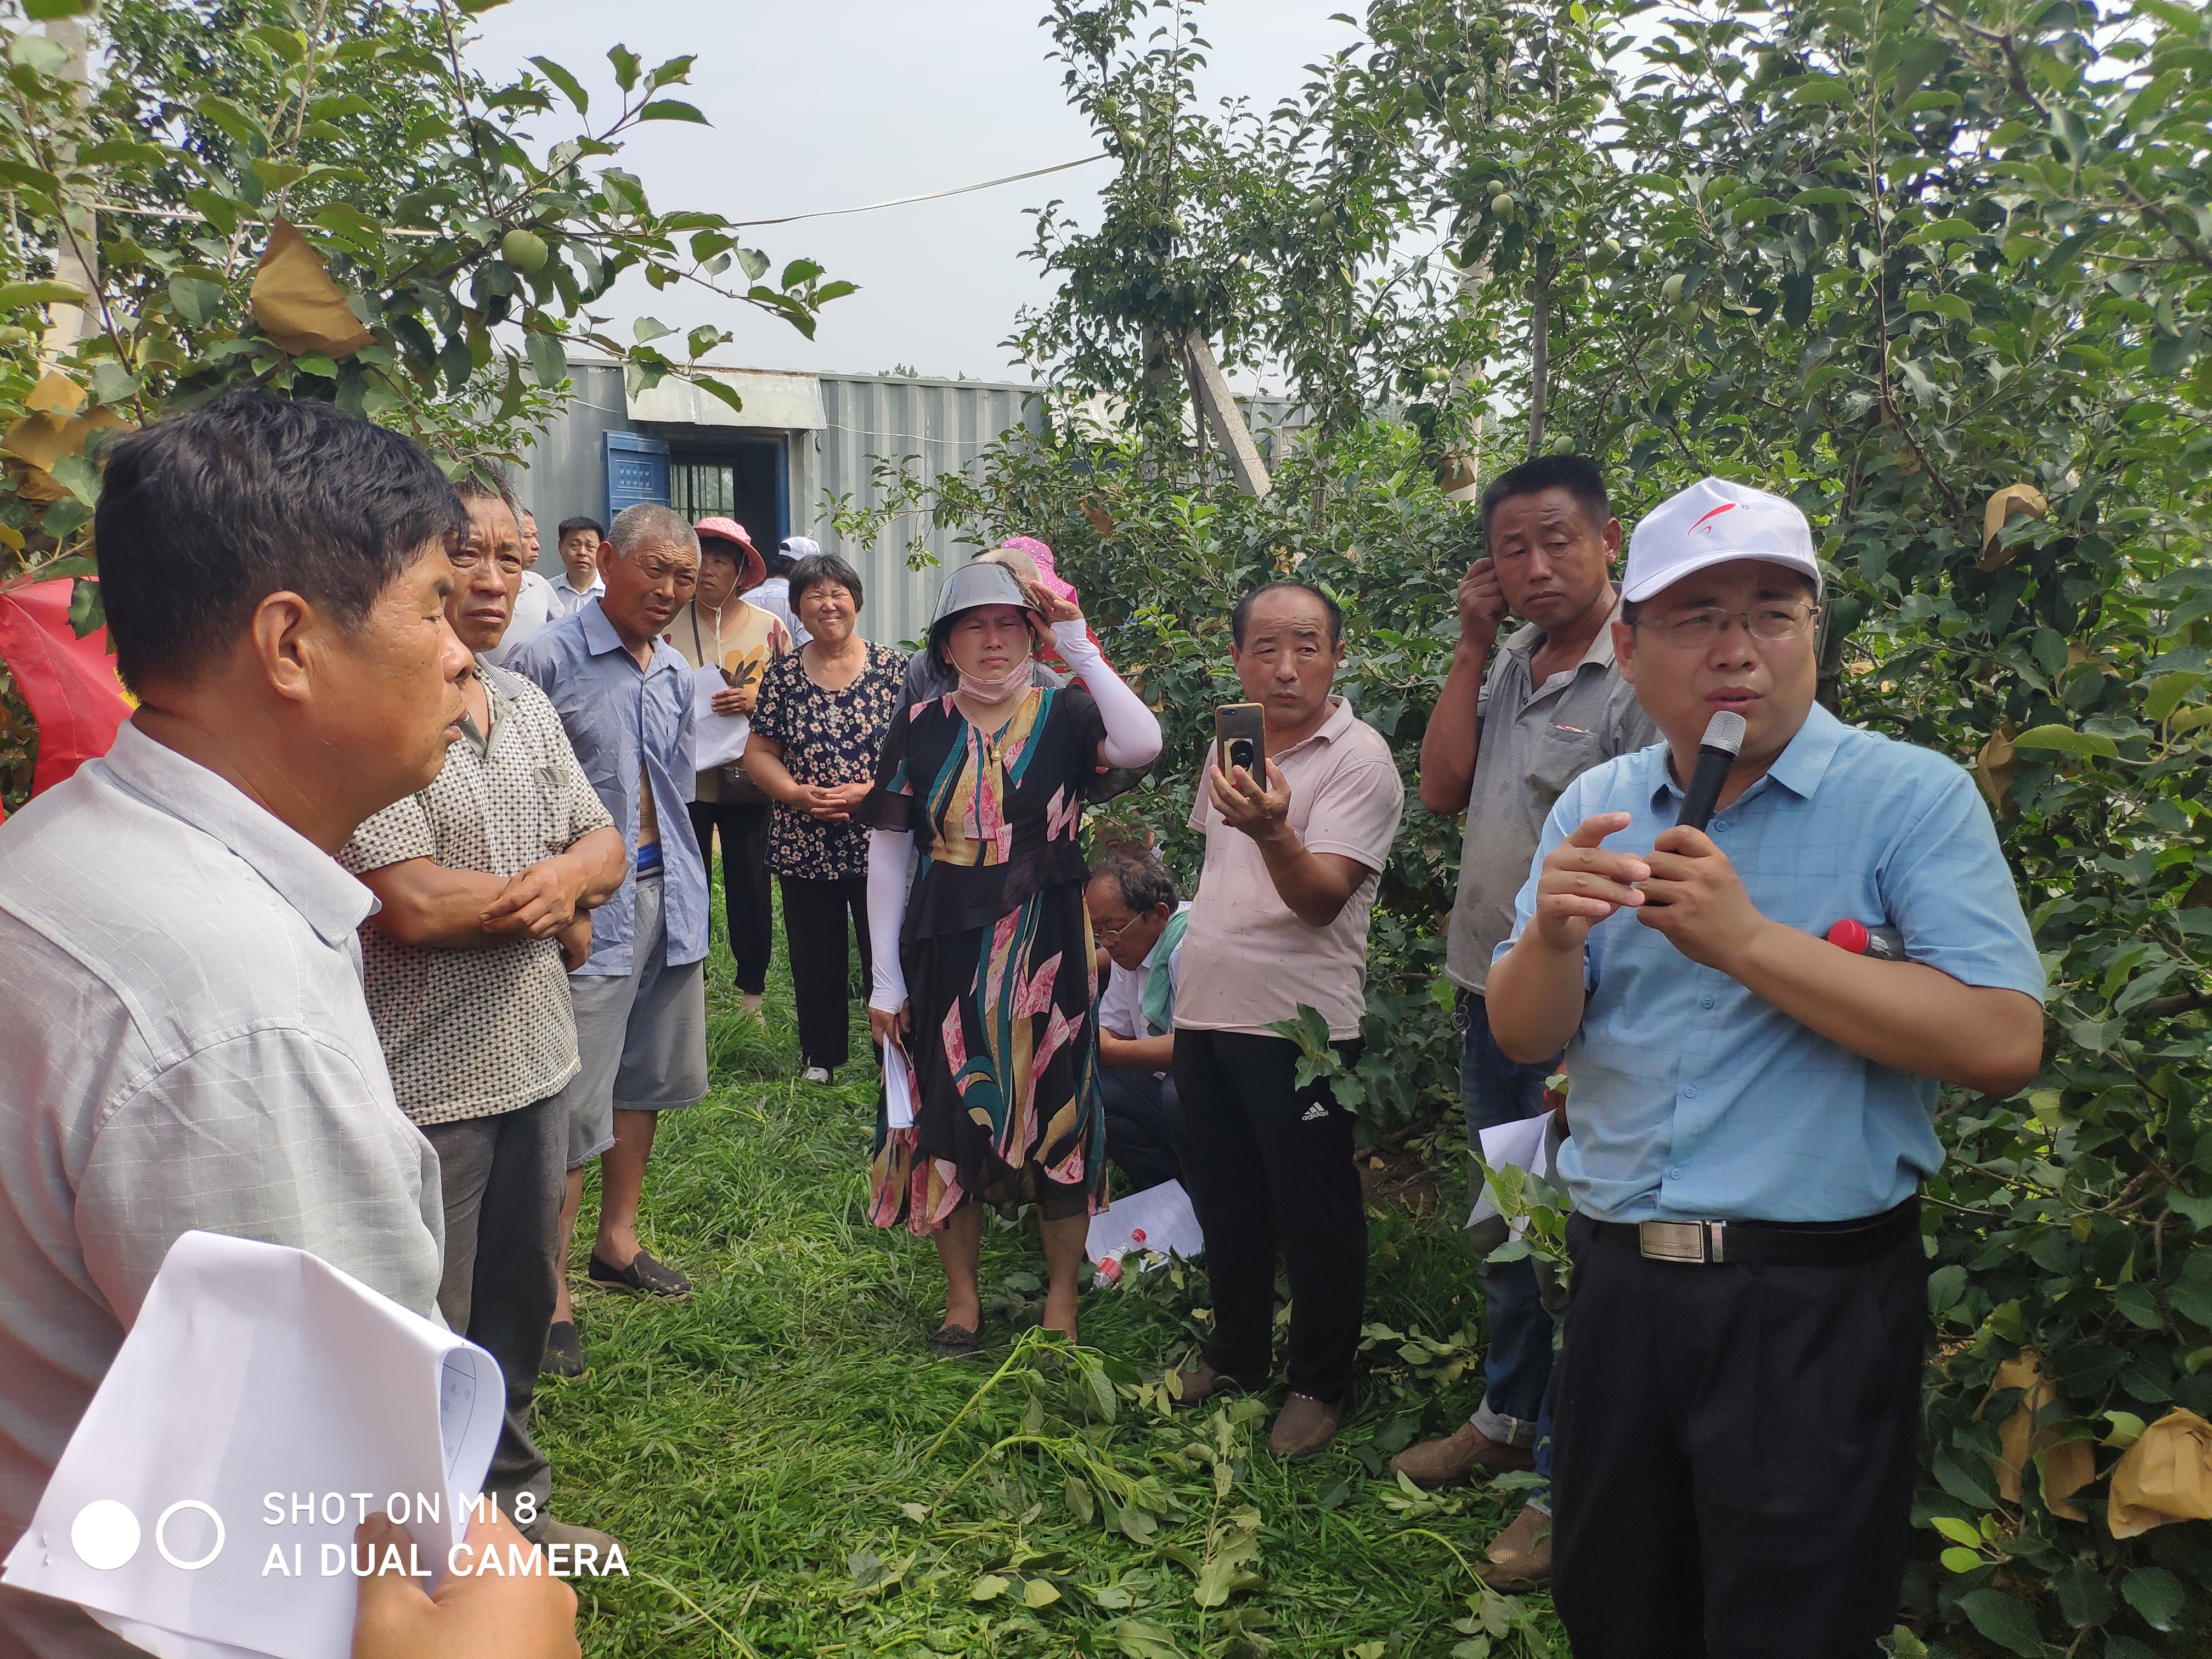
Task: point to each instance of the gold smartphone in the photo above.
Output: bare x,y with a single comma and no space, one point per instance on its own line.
1240,738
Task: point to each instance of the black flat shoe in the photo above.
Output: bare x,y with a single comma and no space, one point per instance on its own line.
954,1342
564,1351
644,1275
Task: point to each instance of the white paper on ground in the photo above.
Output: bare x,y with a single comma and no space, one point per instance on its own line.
1524,1144
716,739
256,1370
898,1086
1161,1213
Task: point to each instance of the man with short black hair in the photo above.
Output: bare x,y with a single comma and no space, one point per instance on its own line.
1137,920
183,1040
624,697
578,542
1292,861
1500,746
1737,1405
487,878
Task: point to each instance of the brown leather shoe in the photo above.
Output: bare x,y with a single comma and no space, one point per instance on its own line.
1303,1426
1453,1460
1201,1383
1521,1556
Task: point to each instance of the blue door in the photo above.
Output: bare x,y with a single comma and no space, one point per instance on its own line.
637,470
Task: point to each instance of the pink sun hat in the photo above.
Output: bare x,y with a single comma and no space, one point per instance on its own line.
1041,555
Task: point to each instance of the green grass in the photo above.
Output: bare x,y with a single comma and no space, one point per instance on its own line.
774,1453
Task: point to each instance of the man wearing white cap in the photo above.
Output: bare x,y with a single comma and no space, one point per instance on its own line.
1737,1405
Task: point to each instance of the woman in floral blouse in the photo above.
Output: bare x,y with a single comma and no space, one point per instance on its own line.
816,732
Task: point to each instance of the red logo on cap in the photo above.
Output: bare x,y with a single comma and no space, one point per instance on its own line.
1702,522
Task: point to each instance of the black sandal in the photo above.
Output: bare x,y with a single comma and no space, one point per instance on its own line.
954,1342
644,1274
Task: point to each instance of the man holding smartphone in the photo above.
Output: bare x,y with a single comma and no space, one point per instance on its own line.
1293,860
1500,747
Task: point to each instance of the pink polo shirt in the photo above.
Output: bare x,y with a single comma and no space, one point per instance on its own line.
1247,961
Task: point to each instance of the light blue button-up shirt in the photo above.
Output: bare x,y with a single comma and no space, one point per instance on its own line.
617,716
1692,1097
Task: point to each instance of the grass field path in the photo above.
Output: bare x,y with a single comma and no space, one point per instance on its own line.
773,1451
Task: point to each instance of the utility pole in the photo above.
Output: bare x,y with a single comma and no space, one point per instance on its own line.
1217,408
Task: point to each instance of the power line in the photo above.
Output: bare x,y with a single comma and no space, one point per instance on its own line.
928,196
735,224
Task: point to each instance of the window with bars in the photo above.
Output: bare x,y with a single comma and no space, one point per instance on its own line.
702,489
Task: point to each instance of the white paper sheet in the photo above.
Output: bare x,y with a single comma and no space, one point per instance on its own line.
716,739
1525,1143
257,1372
1161,1214
898,1086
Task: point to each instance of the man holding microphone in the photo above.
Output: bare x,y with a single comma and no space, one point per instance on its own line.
1736,1406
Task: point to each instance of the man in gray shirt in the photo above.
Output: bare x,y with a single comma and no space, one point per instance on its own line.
1551,707
183,1039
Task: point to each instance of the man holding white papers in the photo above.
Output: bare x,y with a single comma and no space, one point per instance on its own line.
486,879
729,645
183,1040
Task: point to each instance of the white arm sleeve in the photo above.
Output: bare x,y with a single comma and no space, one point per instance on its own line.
1133,732
890,856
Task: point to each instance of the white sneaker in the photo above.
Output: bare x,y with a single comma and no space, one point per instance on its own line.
816,1075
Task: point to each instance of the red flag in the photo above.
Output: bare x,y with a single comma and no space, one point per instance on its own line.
70,682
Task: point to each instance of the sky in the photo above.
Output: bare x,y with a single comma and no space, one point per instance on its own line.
838,102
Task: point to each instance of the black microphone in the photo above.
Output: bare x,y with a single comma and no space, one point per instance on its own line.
1716,753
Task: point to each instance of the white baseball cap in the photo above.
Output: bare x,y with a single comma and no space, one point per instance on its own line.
1712,522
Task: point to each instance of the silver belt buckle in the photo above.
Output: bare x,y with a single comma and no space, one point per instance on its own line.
1681,1241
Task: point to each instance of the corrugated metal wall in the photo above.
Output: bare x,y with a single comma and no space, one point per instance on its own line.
947,424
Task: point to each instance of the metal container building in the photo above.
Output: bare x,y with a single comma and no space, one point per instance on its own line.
801,440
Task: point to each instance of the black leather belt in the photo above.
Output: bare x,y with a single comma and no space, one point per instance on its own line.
1772,1243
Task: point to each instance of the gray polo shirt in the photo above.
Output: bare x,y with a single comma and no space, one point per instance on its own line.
1536,739
183,1044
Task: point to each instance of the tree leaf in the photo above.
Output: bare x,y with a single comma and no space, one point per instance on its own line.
625,62
1039,1593
14,296
1957,1531
672,109
989,1588
571,87
2004,1619
2067,741
547,358
2156,1593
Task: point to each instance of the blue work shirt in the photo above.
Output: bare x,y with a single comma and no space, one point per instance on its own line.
617,716
1692,1097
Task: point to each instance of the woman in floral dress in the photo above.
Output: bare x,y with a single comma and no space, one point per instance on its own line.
820,721
986,981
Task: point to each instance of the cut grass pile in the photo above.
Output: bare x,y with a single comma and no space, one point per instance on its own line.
790,1472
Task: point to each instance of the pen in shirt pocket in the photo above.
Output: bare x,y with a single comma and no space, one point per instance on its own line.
1560,725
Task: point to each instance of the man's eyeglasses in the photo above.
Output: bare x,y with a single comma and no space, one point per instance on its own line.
1108,935
1695,631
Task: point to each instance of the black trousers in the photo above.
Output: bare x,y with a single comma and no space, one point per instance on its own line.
814,914
1270,1166
1733,1454
501,1179
1144,1125
746,904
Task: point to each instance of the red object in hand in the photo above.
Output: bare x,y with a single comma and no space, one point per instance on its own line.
1883,944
